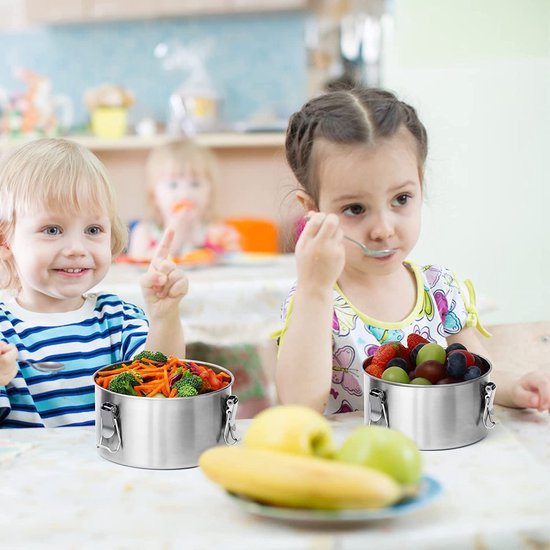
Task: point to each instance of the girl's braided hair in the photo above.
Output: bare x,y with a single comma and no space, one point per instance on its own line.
347,117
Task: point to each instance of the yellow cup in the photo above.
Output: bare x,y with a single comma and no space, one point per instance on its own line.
110,122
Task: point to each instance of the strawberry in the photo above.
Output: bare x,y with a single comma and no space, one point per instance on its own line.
383,354
414,339
373,369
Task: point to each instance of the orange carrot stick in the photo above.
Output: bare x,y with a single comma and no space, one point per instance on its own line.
155,390
113,371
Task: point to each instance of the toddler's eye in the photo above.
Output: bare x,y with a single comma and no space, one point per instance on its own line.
353,210
195,184
52,231
94,230
401,200
171,184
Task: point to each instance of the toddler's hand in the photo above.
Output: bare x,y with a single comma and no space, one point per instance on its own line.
532,391
184,221
164,284
8,362
320,254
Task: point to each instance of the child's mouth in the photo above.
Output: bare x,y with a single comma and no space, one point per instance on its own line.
73,270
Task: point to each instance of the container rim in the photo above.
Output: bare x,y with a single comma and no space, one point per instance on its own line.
201,395
484,376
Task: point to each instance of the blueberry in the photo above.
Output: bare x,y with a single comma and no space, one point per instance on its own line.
452,347
456,366
472,372
414,353
481,363
398,362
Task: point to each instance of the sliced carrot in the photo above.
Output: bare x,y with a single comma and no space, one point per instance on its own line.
156,390
113,371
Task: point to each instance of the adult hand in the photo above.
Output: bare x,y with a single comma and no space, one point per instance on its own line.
8,362
164,284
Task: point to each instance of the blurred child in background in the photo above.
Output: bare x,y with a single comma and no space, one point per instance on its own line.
181,180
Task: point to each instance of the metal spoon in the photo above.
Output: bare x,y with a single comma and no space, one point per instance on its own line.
43,366
368,251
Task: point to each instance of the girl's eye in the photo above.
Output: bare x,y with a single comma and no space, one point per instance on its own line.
401,200
52,230
354,210
171,184
195,184
94,230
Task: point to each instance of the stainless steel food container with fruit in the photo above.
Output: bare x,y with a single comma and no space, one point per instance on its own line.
437,416
169,433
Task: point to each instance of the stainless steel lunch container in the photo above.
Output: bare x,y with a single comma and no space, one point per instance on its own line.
149,432
435,417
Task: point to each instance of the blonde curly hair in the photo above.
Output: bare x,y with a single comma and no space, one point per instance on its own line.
57,174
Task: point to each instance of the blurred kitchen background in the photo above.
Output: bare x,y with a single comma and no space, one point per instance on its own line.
122,76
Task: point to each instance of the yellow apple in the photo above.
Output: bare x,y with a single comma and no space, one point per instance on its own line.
294,429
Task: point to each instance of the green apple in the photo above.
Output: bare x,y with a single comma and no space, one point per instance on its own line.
294,429
384,449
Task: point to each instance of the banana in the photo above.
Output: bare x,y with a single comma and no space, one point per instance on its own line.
284,479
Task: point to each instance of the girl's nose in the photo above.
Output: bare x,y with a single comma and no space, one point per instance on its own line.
382,226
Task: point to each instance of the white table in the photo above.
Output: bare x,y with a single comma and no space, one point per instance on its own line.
56,492
227,304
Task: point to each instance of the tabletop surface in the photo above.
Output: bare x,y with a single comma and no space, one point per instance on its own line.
236,301
56,491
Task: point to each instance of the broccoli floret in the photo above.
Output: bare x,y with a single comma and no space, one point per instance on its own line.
192,379
124,383
157,356
184,389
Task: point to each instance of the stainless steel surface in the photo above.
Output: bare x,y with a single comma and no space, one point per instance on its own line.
368,251
436,416
43,366
163,433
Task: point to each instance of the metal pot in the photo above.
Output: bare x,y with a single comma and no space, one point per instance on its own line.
146,432
434,417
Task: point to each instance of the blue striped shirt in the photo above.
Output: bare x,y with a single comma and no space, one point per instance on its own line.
104,330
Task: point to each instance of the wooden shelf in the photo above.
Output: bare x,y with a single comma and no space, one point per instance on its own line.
222,140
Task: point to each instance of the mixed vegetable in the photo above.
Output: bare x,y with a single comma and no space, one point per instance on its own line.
153,374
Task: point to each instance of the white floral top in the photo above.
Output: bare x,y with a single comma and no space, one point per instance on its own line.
440,311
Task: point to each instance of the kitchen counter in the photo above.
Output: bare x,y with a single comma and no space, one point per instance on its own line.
57,492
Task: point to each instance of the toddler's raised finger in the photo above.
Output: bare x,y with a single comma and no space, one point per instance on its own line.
163,248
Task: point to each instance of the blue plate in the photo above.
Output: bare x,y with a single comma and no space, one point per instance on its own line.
429,490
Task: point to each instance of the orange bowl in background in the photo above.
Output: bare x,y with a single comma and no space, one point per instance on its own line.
256,234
